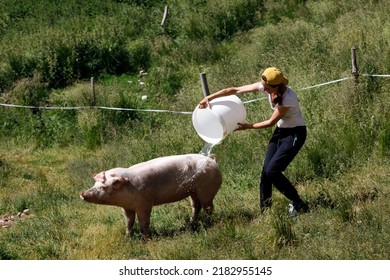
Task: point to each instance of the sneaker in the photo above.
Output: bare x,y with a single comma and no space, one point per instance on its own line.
291,210
297,206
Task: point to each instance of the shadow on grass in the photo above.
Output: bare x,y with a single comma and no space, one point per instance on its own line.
202,224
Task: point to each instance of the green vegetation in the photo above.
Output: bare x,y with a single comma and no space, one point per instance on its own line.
49,52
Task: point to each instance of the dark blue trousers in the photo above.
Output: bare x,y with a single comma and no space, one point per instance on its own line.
282,148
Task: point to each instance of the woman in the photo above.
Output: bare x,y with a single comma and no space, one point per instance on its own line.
287,139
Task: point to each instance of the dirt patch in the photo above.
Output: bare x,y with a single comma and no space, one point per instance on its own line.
7,220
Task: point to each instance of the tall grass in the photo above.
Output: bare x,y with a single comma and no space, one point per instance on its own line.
48,156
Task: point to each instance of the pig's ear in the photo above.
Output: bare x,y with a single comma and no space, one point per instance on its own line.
124,179
101,177
118,181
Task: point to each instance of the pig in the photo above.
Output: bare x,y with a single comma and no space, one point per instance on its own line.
158,181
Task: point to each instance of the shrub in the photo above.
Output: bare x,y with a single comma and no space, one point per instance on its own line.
20,65
166,79
30,92
139,55
218,20
55,63
54,128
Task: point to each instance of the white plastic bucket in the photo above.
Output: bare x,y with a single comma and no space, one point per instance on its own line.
213,124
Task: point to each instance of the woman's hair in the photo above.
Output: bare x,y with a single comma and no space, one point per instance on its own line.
280,90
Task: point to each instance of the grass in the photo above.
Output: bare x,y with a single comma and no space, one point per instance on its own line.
348,217
47,157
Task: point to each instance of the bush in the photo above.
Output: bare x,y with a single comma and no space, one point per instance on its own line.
218,20
30,92
63,62
139,55
20,66
54,128
55,64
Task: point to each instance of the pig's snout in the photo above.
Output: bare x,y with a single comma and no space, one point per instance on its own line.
86,196
93,196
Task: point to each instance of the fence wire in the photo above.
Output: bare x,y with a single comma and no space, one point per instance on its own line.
172,111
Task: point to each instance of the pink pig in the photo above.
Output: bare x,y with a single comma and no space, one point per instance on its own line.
162,180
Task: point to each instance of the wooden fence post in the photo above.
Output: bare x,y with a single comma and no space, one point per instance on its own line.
164,19
93,92
355,70
205,87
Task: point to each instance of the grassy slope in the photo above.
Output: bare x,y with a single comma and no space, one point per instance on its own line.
348,194
349,221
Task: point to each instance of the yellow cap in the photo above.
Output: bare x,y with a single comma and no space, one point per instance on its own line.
273,76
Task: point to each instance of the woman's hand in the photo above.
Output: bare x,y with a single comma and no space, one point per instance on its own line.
204,103
243,126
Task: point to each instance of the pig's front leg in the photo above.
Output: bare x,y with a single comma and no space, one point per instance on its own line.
143,215
129,218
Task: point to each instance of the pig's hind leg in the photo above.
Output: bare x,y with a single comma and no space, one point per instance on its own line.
206,192
205,202
196,207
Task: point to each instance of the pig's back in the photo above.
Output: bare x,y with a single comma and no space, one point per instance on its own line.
175,162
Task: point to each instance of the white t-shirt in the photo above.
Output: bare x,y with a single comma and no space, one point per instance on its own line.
294,116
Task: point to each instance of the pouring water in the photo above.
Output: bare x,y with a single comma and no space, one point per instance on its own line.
206,150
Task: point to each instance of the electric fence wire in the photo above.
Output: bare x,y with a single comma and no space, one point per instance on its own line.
171,111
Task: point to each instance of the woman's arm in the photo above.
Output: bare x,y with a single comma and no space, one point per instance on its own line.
279,113
228,91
